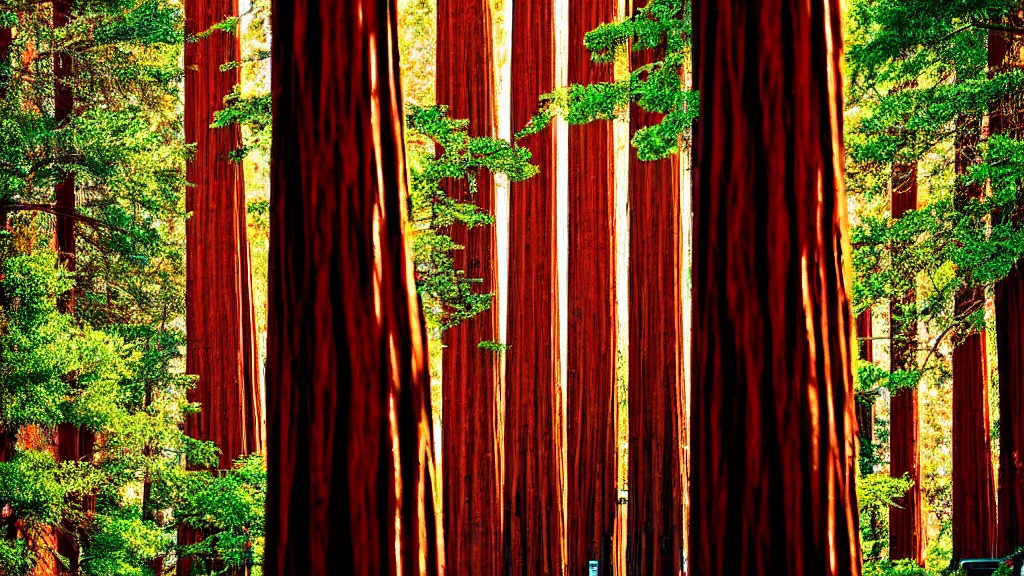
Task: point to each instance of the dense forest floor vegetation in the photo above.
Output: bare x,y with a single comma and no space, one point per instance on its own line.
135,235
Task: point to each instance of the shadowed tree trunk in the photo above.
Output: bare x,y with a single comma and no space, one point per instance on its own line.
656,418
471,440
592,408
72,442
906,536
1005,118
974,504
221,348
534,538
773,443
350,469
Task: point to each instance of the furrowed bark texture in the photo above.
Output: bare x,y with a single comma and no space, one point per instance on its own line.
592,336
219,314
906,531
471,439
350,468
534,536
865,410
773,442
656,408
974,504
1007,118
221,347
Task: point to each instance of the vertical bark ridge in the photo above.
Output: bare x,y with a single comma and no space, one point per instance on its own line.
906,530
654,535
974,504
534,538
471,436
773,446
350,467
592,419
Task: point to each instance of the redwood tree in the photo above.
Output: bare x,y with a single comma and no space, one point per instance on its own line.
350,466
592,408
1006,118
773,418
656,414
906,531
219,313
471,401
534,461
974,504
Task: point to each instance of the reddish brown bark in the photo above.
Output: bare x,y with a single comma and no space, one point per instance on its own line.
592,420
221,347
534,534
656,416
974,504
350,466
773,442
471,394
1007,118
906,531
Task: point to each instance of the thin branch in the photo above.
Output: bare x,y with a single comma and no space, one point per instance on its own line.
54,210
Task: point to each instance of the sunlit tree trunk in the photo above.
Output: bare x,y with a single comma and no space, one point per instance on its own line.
221,348
471,434
1007,118
656,417
906,536
592,420
773,446
350,468
974,504
534,458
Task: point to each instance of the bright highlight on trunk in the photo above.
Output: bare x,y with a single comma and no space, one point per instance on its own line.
350,471
773,445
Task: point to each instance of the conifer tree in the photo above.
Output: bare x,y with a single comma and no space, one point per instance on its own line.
592,420
471,399
656,407
534,449
773,421
350,471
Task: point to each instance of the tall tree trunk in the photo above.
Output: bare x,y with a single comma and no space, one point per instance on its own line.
906,531
72,442
773,441
221,348
1007,118
866,408
974,504
471,437
656,418
534,538
592,421
350,468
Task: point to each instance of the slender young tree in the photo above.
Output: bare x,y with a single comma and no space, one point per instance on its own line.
350,462
906,536
219,314
865,410
1007,118
592,408
773,419
656,417
534,457
471,451
974,504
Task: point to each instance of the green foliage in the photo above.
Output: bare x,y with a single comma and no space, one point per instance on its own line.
876,493
897,568
443,154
